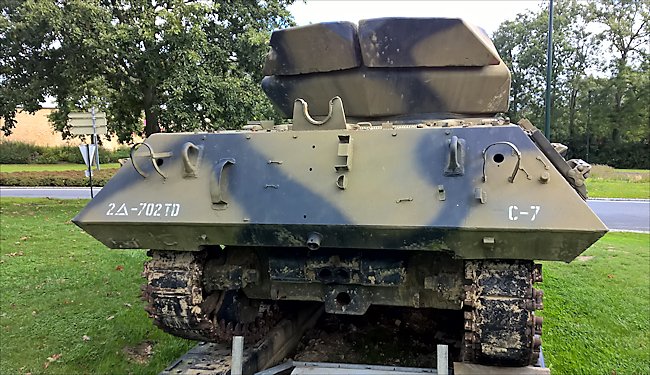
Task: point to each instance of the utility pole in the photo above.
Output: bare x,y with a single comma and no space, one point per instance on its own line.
588,126
549,61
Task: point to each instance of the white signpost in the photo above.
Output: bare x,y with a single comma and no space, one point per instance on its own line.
88,153
88,123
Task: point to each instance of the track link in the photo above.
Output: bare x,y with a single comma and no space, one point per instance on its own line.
500,325
177,304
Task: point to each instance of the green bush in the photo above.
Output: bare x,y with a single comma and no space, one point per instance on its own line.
633,155
18,153
25,153
119,153
59,178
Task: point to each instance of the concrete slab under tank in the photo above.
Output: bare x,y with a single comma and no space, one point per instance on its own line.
320,368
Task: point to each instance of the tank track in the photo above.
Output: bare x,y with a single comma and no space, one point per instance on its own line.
500,325
177,304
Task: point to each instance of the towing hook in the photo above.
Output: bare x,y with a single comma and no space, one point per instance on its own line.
313,241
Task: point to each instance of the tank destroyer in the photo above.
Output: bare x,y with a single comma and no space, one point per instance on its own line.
396,183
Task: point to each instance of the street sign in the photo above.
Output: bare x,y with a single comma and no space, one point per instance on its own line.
81,123
88,123
88,153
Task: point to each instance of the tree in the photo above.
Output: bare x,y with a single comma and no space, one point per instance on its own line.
627,31
182,65
519,44
522,44
601,77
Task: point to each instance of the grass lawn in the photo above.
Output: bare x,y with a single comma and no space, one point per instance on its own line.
51,167
618,189
597,309
66,297
607,182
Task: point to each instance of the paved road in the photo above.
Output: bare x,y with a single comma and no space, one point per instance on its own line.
48,192
631,215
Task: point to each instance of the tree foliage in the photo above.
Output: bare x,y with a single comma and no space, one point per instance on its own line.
177,64
601,76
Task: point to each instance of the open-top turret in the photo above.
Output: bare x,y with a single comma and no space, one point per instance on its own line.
388,68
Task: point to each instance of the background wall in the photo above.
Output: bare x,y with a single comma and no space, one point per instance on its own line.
36,129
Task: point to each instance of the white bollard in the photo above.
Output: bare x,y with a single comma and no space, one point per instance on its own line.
442,354
237,363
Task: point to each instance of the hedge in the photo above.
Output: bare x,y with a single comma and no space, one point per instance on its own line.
59,178
26,153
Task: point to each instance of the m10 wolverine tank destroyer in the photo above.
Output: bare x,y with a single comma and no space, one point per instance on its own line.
395,184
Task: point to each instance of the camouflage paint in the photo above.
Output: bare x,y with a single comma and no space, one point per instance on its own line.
420,197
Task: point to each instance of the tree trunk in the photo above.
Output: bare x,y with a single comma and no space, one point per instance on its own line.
150,112
618,97
614,122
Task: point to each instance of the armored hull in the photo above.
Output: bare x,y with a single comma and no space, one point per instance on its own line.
395,205
397,191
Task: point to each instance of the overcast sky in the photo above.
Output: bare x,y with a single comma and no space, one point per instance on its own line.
486,14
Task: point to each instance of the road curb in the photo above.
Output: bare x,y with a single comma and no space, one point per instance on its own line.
619,199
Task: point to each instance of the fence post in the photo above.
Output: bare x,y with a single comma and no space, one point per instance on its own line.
442,354
237,364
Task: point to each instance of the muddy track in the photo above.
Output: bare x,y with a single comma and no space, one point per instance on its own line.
177,304
500,325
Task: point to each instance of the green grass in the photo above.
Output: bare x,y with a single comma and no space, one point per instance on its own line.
50,167
607,182
618,189
597,310
59,285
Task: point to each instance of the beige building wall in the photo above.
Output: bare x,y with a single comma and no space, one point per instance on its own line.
36,129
